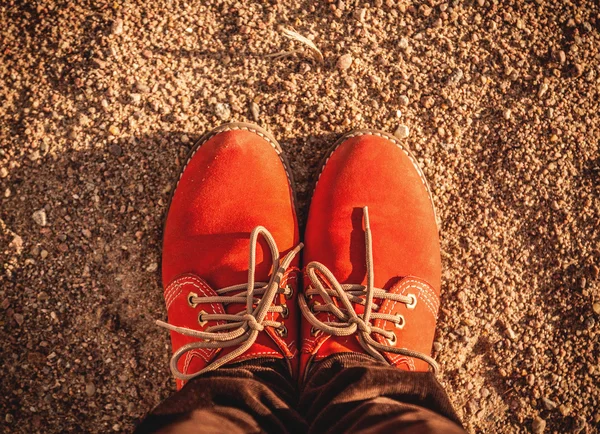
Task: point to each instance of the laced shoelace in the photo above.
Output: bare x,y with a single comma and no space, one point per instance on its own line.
348,321
239,329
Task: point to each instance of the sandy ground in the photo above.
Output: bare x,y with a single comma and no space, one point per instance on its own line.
101,101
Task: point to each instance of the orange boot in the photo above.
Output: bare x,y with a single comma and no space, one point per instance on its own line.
372,279
230,294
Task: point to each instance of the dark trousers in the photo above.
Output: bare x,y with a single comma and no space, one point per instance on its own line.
344,393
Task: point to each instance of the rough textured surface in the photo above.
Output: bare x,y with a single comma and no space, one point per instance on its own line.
101,101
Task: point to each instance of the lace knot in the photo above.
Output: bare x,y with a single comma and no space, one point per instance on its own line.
252,323
361,325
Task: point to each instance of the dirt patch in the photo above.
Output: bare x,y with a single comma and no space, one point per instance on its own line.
100,102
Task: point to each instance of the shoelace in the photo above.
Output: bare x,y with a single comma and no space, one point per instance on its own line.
348,321
239,329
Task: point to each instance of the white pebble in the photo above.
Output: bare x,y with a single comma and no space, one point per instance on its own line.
39,217
402,132
117,27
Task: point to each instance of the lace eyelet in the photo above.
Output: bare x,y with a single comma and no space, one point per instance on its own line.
189,299
200,320
413,303
401,322
392,341
282,331
289,293
285,312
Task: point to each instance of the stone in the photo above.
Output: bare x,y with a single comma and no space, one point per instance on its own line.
90,389
19,318
117,27
402,132
39,217
344,62
136,98
222,111
539,425
115,150
549,404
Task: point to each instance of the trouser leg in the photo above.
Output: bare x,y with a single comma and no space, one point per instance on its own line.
354,393
248,397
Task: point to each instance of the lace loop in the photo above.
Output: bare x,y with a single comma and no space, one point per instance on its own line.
238,330
348,321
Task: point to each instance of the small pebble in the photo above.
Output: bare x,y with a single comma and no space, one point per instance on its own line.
19,319
39,217
136,98
549,404
590,322
117,27
543,89
90,389
424,10
402,132
596,308
114,130
507,114
539,425
456,77
152,267
3,172
115,150
403,100
222,111
344,62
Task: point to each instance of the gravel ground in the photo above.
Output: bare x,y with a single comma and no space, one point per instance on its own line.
101,101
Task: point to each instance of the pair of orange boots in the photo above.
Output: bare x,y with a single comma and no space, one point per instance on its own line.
234,288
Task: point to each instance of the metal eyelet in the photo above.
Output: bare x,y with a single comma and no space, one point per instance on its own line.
285,312
401,322
189,299
413,303
392,341
200,320
282,331
289,293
